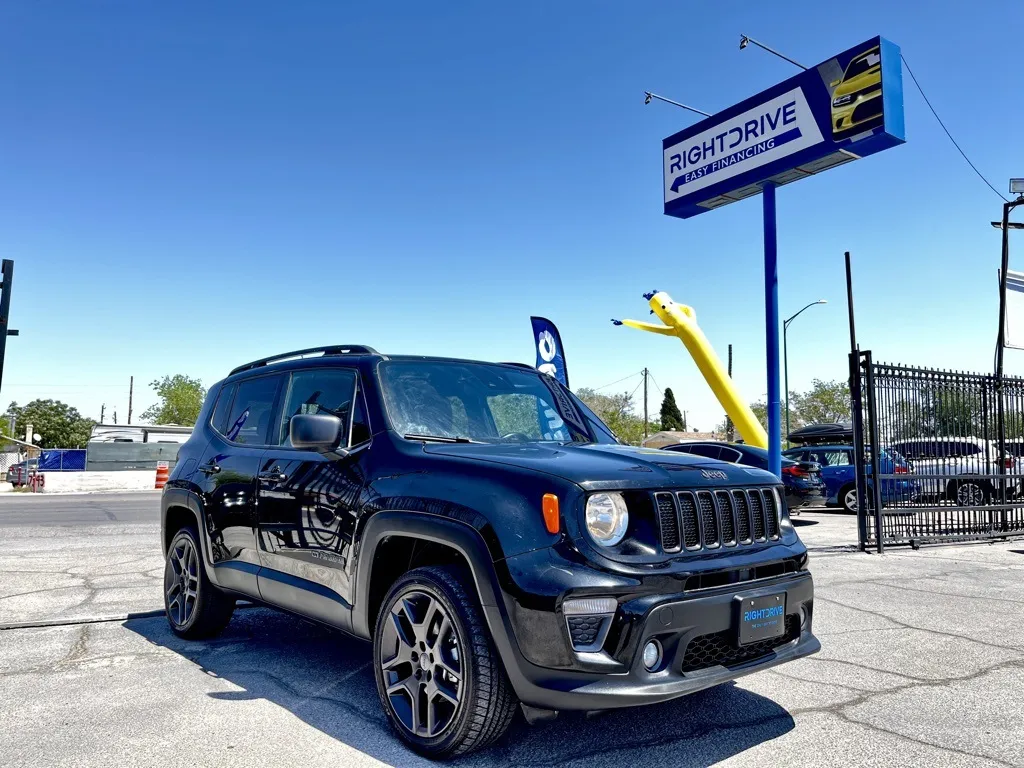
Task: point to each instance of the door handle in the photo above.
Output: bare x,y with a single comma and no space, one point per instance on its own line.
210,469
274,476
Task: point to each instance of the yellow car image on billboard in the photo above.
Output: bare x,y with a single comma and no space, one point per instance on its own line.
857,98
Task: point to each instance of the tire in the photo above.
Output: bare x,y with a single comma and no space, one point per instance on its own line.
433,613
969,493
848,499
208,610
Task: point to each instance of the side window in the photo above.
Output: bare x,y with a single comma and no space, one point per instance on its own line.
678,448
360,424
221,409
818,456
249,419
708,451
731,455
319,391
837,458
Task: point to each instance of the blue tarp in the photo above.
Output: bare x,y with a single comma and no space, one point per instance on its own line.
62,460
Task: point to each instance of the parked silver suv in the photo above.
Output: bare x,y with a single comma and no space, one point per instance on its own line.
962,469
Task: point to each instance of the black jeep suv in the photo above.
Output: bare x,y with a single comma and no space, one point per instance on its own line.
486,532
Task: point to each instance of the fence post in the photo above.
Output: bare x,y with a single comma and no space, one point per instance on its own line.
876,486
857,411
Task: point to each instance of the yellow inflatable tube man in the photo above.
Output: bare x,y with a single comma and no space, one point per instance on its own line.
681,321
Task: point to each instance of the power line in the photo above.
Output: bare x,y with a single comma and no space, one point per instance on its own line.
939,119
637,387
638,373
656,385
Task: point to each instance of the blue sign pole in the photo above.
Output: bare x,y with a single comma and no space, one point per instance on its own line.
771,320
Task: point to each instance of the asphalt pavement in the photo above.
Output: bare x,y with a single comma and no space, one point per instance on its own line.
922,664
32,509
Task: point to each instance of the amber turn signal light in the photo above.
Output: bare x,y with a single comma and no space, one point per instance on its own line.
550,507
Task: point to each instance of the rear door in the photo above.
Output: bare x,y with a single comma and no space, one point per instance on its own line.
308,501
227,476
836,468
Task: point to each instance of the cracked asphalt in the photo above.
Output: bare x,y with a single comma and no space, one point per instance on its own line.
922,663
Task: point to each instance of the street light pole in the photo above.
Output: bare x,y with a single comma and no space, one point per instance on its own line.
785,358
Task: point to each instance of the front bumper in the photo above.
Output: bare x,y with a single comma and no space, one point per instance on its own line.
697,631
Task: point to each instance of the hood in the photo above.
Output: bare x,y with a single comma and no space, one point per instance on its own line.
596,466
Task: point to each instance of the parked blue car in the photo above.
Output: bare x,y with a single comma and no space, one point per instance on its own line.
838,470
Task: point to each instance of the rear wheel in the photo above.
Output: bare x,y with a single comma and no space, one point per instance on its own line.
848,499
195,607
970,493
439,678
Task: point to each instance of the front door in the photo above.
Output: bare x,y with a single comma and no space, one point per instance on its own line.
307,501
227,477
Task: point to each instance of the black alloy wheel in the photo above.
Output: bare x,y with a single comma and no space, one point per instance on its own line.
439,678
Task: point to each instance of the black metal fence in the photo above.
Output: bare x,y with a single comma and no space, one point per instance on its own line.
939,454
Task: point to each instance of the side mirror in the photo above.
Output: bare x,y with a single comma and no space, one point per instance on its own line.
834,83
320,432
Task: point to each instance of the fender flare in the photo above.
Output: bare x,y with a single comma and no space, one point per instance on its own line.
187,499
420,525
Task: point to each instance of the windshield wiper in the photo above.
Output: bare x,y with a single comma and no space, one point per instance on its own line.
439,438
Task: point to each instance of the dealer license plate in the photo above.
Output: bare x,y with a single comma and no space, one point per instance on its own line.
762,618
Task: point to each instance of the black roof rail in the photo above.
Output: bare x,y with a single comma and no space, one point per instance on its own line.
337,349
520,365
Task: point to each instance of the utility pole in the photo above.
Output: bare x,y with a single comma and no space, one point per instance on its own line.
728,421
103,410
115,417
7,272
131,388
645,403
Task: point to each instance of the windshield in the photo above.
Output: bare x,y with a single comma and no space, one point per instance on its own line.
862,64
478,402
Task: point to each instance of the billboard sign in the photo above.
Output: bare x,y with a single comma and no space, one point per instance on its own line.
845,108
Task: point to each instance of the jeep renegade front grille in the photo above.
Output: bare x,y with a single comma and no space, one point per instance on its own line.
694,520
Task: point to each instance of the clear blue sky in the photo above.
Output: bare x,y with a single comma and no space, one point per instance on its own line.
187,186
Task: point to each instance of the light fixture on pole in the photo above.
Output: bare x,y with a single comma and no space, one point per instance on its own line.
745,39
648,96
785,357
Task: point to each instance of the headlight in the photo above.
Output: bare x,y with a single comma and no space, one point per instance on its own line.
607,518
842,100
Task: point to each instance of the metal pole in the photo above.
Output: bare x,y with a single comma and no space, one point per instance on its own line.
645,403
1005,265
7,271
876,485
771,319
785,367
131,390
857,413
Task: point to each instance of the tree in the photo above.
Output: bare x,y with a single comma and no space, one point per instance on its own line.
617,412
671,417
58,424
826,402
181,398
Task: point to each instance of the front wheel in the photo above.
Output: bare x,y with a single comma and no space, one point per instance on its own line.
439,678
195,607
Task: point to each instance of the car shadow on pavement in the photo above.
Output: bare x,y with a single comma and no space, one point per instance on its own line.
325,679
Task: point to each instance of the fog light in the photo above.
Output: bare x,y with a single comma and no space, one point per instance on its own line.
803,617
652,655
